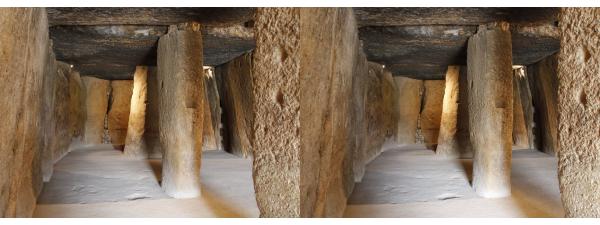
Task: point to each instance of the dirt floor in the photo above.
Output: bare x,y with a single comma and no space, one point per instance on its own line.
406,181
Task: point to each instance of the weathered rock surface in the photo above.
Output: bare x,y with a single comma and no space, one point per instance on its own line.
235,87
23,52
181,116
409,107
490,109
520,136
578,100
134,142
302,79
462,120
431,112
151,137
447,138
212,113
544,85
525,93
96,107
118,111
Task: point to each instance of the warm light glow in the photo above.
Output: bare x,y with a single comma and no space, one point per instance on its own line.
209,71
519,70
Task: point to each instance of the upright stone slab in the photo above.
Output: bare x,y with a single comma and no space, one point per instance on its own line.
151,137
212,113
134,143
489,60
431,112
544,85
118,111
578,101
96,106
409,106
520,136
462,120
447,139
181,92
302,92
23,52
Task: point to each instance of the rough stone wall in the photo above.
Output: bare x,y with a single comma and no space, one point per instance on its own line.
524,91
134,142
235,87
578,101
462,120
181,116
118,110
23,52
151,137
489,61
447,139
212,113
520,136
302,79
409,107
431,112
63,116
543,81
96,106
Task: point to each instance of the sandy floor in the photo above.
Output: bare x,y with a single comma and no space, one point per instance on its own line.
99,182
407,181
410,181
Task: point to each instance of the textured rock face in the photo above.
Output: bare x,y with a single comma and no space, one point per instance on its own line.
235,86
525,95
462,120
134,143
447,139
302,76
490,109
212,113
63,117
23,52
543,81
96,106
181,116
118,110
578,100
431,112
520,136
409,106
151,137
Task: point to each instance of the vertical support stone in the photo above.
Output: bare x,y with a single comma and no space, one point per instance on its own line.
118,111
431,111
519,134
409,106
578,104
302,85
462,120
489,60
525,93
447,140
134,143
212,113
181,92
151,137
96,106
544,84
23,52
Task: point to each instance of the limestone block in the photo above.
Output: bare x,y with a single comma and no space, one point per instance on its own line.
520,136
447,138
181,116
526,99
489,61
544,85
134,143
462,120
23,52
409,107
578,121
431,112
151,137
212,113
118,110
236,90
302,91
96,106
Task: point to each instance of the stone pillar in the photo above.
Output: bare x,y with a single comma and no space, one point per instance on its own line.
118,111
519,133
96,106
431,112
151,137
447,139
302,85
489,60
462,120
544,85
181,92
409,106
578,101
134,145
